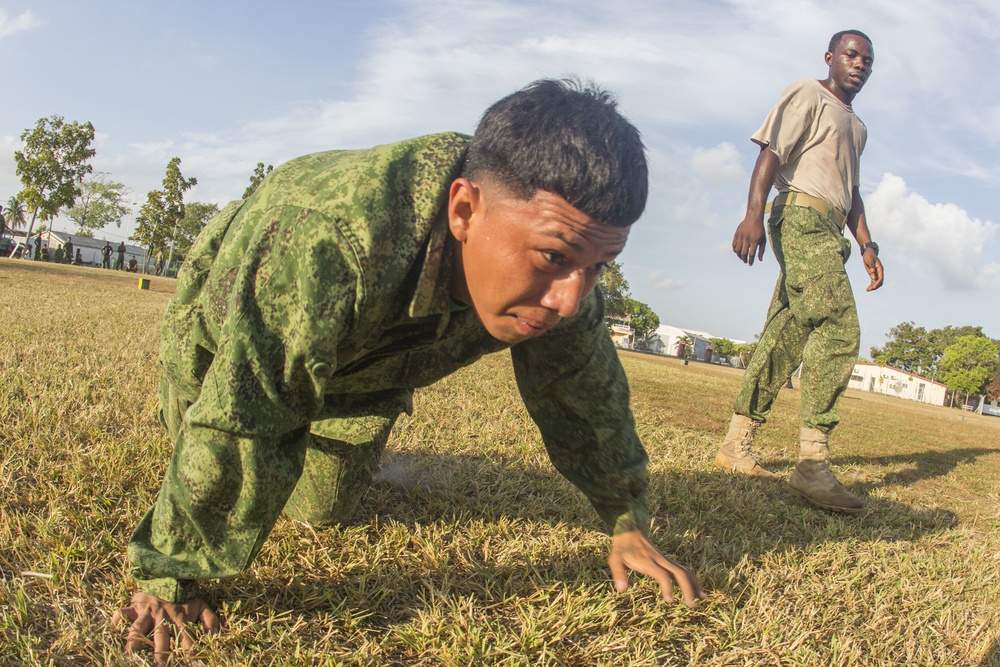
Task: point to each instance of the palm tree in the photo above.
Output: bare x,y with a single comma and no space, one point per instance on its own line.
649,341
685,348
15,213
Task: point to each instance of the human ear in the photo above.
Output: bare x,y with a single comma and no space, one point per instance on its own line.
464,201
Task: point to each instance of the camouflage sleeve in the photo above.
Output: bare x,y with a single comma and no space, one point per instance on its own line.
239,449
575,389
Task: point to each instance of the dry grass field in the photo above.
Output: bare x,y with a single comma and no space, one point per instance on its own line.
470,549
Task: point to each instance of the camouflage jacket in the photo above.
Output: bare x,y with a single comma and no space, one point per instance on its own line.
333,279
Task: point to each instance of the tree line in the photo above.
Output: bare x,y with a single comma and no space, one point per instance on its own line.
962,358
56,176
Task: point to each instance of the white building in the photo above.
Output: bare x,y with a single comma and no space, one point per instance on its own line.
671,337
895,382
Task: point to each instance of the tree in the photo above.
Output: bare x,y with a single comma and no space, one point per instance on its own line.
196,216
642,319
648,341
163,211
723,346
614,287
992,389
174,187
909,349
150,228
15,212
101,203
259,174
968,363
54,160
942,338
917,350
685,348
745,353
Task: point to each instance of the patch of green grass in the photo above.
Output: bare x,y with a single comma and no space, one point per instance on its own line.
471,549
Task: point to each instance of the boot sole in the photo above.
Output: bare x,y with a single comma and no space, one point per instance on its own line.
832,508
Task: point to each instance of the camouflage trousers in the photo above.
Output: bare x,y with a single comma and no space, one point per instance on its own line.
812,320
345,447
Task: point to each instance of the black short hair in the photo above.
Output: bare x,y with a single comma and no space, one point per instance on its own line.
568,138
835,40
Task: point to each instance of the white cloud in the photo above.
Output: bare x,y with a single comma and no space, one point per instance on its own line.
938,238
720,164
662,283
25,21
693,186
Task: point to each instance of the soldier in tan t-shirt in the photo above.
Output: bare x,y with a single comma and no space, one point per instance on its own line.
810,150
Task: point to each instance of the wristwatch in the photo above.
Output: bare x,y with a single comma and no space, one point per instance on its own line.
870,244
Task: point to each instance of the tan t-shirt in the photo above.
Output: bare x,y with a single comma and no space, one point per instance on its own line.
818,140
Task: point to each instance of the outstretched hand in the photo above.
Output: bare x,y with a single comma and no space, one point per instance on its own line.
749,240
150,615
634,551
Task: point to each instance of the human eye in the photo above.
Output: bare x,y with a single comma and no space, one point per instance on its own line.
554,258
599,268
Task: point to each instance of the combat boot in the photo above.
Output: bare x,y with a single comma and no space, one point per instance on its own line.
734,454
814,480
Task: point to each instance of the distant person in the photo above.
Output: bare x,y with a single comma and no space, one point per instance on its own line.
3,222
159,263
68,249
60,254
106,253
810,148
120,263
133,266
392,268
78,260
38,248
45,254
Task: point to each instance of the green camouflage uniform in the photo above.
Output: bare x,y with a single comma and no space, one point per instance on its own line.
812,320
303,319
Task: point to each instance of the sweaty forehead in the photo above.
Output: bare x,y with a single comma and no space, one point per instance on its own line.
583,236
856,42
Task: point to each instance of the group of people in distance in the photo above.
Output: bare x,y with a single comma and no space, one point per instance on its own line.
306,315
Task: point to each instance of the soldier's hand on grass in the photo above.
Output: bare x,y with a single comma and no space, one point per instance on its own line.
148,615
874,268
749,240
634,551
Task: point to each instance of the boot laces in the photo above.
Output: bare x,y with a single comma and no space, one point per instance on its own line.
747,438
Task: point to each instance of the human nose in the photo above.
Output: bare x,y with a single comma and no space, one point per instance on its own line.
565,294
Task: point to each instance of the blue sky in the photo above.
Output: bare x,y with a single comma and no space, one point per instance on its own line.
224,85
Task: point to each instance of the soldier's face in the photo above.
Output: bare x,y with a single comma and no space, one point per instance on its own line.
525,265
850,66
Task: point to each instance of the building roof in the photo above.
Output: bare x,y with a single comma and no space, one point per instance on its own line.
903,371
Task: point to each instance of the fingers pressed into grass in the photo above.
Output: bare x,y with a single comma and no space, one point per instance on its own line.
634,551
161,620
161,642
